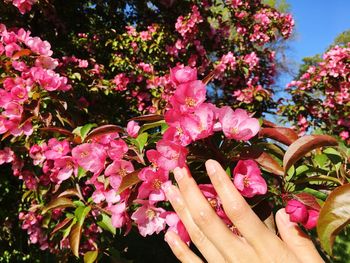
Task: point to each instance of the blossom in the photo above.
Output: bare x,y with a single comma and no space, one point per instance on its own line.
311,221
297,211
176,225
132,128
237,124
189,96
172,155
66,167
148,218
181,74
117,170
153,181
248,179
200,124
56,149
90,156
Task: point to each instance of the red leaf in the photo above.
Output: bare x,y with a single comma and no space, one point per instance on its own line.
269,124
21,53
334,216
60,202
103,130
129,180
304,145
58,130
271,165
264,159
60,225
148,118
308,200
281,134
208,77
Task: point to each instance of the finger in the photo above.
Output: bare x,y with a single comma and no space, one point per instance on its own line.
236,208
180,249
207,249
296,240
206,219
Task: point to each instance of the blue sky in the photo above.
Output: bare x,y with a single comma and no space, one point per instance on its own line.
318,22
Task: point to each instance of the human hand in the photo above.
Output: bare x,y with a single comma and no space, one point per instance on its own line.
216,241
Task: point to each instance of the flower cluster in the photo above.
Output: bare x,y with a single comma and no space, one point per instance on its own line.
329,78
29,67
23,6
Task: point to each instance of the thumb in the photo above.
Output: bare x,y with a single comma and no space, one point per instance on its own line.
295,239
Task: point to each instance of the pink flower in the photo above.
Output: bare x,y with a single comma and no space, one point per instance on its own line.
56,149
297,211
237,124
36,152
153,181
132,129
210,194
117,170
172,155
6,155
311,221
181,74
148,218
248,179
90,156
176,225
66,167
189,96
344,135
117,149
200,124
119,215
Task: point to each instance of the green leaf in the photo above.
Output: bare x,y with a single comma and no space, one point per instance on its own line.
142,140
228,171
86,129
106,224
334,216
152,125
321,159
60,202
75,233
90,256
81,212
81,172
301,169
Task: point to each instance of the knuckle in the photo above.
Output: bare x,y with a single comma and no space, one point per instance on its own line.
197,237
204,217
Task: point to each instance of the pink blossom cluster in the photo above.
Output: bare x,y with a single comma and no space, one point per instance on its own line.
300,213
107,159
191,119
333,72
188,26
262,24
24,77
32,223
23,6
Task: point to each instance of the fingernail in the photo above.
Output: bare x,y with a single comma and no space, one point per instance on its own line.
284,217
211,166
178,173
170,192
168,237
